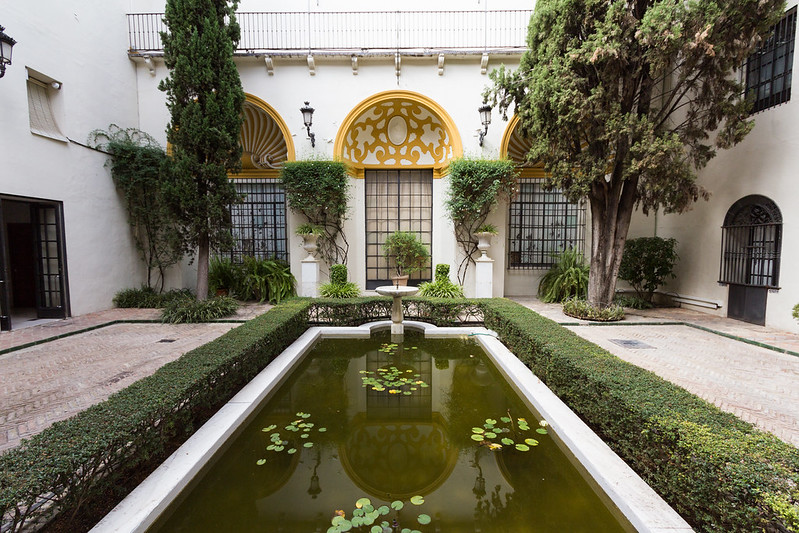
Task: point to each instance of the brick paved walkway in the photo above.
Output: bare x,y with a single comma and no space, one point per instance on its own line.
55,379
757,384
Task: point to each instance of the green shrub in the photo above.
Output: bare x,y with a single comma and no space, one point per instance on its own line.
264,280
339,287
633,302
223,275
408,253
796,311
718,472
149,298
192,311
567,278
442,287
646,263
577,308
101,452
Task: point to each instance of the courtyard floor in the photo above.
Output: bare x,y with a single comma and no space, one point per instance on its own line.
49,372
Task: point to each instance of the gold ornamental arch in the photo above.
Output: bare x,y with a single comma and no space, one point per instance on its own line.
398,129
265,139
515,147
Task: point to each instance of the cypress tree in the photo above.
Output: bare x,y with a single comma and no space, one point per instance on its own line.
204,97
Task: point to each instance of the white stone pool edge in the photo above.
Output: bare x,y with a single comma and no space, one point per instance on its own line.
643,508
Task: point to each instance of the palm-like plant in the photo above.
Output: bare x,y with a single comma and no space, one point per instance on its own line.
567,278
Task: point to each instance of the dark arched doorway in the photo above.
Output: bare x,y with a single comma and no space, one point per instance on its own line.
750,256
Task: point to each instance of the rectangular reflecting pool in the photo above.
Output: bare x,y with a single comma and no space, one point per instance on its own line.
370,434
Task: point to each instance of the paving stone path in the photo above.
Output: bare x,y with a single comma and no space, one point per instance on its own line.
55,379
757,384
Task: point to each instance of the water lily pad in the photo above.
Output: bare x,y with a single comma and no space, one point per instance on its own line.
522,447
292,451
505,419
376,529
424,519
363,502
507,442
542,431
397,505
477,437
383,510
358,512
304,436
308,445
490,421
478,430
267,429
322,430
531,442
270,447
338,520
260,462
417,500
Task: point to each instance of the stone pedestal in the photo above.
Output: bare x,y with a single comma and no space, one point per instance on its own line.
484,278
309,277
397,329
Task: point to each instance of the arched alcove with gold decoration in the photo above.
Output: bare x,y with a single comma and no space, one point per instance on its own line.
398,142
541,222
259,221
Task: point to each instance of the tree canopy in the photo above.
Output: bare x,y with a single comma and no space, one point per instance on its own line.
204,97
625,101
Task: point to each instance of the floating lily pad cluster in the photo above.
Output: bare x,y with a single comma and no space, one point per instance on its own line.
366,515
507,433
391,348
301,428
393,380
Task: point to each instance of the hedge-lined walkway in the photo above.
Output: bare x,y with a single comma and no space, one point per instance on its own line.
759,385
54,370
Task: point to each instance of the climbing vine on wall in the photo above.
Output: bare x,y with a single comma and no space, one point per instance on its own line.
318,190
476,186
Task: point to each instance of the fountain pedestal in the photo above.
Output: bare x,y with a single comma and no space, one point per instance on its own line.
397,329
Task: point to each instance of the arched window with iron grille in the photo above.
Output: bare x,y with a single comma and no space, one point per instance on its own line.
751,240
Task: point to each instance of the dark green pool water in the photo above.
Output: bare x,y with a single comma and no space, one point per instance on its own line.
418,436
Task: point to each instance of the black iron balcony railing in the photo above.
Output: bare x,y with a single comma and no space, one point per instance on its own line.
294,33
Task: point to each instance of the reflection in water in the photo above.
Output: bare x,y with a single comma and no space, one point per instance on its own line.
391,446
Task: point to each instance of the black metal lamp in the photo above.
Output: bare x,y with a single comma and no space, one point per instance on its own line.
307,118
6,44
485,120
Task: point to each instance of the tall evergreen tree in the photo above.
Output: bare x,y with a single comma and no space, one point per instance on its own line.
205,97
625,101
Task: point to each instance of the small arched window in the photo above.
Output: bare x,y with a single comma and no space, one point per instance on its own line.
751,240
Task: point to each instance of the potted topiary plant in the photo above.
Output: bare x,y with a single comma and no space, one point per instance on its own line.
310,233
484,234
408,253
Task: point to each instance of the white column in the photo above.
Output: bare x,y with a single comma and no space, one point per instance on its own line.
484,277
309,277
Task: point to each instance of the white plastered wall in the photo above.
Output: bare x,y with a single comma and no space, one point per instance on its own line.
83,47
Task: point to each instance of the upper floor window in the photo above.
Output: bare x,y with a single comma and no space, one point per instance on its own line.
41,92
768,69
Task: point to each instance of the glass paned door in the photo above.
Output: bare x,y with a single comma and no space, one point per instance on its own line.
396,200
5,304
49,264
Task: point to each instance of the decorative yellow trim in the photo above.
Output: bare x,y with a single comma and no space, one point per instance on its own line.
379,112
511,144
284,129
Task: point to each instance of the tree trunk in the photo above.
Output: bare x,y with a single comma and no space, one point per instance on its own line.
203,250
611,212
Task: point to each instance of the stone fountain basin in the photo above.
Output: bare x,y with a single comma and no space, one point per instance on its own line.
391,290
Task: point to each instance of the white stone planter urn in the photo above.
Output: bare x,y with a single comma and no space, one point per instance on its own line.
309,244
484,241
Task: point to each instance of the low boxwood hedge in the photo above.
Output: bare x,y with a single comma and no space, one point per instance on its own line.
720,473
90,454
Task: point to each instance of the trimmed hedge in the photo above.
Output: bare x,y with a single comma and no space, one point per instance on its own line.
720,473
87,455
356,311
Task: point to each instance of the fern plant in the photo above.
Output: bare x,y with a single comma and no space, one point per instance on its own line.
339,287
442,287
567,278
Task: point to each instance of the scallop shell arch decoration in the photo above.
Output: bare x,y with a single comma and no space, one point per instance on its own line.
398,133
262,142
517,147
